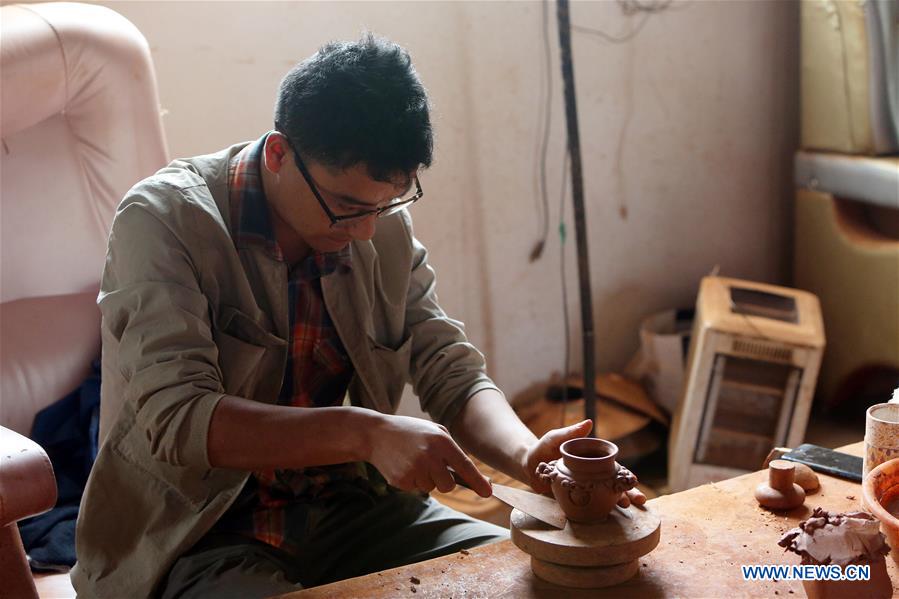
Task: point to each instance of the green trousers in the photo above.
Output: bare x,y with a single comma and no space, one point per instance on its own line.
350,535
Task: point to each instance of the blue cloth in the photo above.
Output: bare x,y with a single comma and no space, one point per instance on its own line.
68,432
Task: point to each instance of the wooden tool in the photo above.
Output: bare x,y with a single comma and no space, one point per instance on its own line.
542,508
780,492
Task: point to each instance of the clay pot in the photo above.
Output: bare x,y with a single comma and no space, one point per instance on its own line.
587,481
880,494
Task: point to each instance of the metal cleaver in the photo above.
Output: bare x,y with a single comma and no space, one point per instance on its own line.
540,507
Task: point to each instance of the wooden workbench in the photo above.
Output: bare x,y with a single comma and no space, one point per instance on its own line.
707,533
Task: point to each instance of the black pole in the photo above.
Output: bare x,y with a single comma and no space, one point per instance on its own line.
580,221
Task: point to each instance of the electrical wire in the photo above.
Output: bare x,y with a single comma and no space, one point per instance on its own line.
628,7
546,122
611,38
633,6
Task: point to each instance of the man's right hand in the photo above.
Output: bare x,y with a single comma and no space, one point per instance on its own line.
415,455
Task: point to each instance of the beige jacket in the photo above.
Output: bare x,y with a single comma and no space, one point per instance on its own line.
189,318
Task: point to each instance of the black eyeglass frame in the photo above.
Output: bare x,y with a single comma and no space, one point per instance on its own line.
391,208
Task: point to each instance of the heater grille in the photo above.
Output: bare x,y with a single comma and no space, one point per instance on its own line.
747,411
763,351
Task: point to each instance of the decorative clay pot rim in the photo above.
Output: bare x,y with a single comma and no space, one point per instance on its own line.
608,446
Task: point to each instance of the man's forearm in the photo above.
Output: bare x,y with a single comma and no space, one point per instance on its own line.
488,428
250,435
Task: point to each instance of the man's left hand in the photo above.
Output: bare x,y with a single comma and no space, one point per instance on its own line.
547,449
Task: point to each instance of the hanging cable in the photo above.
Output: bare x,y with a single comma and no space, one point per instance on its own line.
634,6
611,38
628,7
546,121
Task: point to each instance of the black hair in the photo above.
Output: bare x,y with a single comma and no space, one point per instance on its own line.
358,103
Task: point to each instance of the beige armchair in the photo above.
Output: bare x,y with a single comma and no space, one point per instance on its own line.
80,125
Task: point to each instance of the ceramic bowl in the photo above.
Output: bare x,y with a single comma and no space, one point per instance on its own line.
880,493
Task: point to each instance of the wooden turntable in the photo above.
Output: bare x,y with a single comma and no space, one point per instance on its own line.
588,555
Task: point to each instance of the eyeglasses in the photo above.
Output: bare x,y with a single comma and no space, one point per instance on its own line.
348,220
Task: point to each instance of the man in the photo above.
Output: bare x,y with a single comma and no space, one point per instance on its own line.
245,295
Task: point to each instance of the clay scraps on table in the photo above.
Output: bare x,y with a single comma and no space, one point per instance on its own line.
842,539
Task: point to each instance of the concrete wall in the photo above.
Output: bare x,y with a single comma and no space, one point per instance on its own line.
687,133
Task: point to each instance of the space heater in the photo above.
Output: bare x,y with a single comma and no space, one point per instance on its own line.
751,371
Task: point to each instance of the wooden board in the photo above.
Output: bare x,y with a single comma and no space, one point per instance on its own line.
709,532
626,535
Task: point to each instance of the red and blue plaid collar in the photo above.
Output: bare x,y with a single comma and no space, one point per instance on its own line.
251,222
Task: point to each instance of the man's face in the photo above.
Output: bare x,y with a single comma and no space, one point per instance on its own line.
346,191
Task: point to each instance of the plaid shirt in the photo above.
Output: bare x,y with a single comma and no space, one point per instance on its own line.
318,369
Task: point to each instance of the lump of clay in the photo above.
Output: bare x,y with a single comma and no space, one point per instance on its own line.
853,538
806,478
842,539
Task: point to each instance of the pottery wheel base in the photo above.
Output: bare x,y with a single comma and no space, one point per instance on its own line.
582,577
587,555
